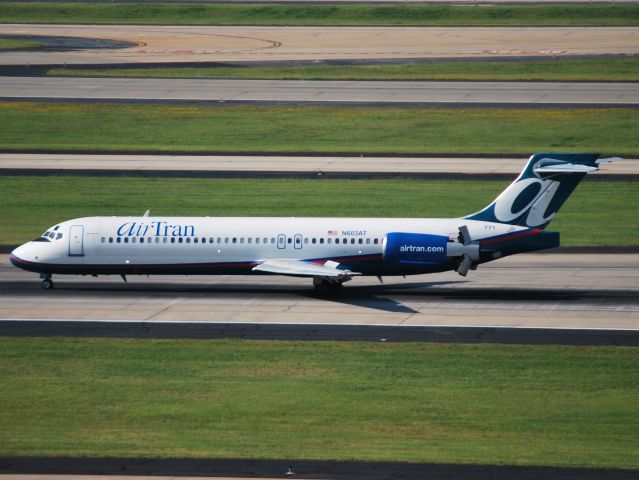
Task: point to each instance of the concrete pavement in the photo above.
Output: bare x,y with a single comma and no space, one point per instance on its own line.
530,290
307,91
139,164
245,43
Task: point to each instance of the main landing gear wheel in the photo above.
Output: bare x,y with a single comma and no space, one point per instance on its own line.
326,288
47,284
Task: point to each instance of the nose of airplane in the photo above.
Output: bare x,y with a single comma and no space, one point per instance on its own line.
21,254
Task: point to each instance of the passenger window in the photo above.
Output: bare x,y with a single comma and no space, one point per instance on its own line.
368,241
157,239
203,239
375,241
118,239
103,240
257,240
322,241
329,241
360,241
165,240
290,240
172,239
180,240
110,239
141,240
126,239
314,241
226,239
249,240
306,240
273,240
265,240
352,240
188,239
241,239
234,239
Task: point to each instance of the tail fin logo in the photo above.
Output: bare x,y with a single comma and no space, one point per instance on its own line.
540,190
532,195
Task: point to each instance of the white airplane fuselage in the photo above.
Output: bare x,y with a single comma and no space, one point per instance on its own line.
231,245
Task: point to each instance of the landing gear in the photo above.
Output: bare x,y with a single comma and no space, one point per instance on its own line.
325,287
47,283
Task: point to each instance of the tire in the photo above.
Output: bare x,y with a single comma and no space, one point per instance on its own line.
326,289
47,284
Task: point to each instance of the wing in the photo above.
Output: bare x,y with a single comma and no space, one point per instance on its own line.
300,268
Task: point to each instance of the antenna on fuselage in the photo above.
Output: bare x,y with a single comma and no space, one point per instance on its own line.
147,213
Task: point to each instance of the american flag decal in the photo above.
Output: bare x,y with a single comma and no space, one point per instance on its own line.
332,232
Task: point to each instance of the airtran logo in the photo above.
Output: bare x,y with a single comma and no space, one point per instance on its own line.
419,248
532,195
158,228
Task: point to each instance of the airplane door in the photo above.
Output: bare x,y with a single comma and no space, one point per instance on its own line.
281,241
76,240
297,241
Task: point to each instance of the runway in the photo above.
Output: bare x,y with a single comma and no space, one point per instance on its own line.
242,43
532,290
306,91
258,165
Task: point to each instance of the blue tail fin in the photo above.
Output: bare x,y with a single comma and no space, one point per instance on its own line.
540,190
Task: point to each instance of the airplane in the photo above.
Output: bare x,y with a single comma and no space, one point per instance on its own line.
330,251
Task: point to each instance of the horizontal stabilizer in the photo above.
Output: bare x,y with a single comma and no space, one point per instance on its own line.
565,168
300,268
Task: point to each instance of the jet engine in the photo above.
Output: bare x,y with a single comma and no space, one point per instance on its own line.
426,249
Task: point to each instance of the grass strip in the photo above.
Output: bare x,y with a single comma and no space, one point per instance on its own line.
597,214
269,128
315,14
12,44
561,69
497,404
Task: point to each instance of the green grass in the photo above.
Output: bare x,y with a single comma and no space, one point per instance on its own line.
503,404
14,43
598,213
263,128
281,14
608,69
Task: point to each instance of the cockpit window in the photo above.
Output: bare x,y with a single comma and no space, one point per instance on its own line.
49,235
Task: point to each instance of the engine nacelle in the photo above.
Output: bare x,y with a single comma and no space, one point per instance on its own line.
415,248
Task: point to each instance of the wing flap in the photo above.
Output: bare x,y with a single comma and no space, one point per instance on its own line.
300,268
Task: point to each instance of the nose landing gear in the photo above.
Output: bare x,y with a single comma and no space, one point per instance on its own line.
47,283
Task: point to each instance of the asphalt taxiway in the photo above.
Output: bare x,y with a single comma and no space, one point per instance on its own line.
191,469
307,91
246,43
